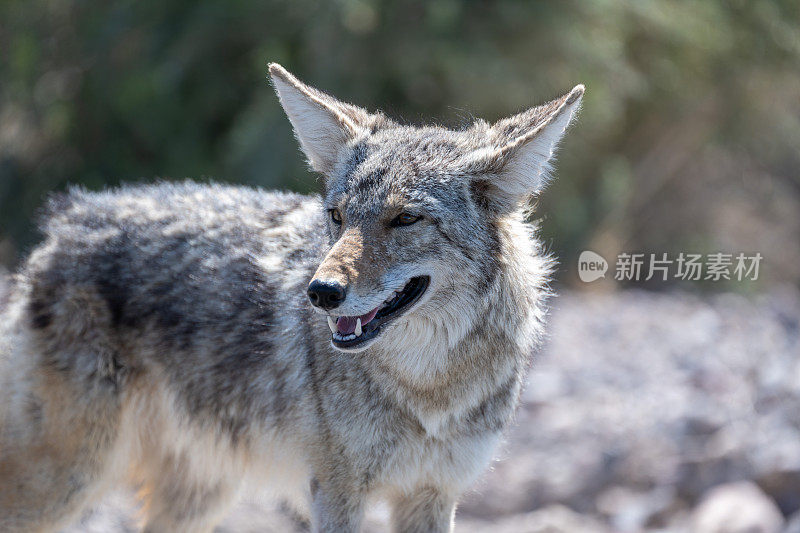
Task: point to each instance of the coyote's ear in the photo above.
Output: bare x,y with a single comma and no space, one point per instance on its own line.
322,124
516,163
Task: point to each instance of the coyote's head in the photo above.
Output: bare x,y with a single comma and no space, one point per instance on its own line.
414,213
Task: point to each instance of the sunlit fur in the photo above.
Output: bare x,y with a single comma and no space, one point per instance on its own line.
161,335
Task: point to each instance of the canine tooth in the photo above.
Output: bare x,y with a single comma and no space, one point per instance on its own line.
332,324
358,327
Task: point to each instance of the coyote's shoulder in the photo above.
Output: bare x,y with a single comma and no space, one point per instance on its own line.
371,341
175,254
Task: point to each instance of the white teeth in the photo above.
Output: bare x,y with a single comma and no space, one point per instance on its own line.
358,327
332,324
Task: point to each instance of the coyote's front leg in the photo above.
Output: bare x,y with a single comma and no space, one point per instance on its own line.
425,510
178,497
337,506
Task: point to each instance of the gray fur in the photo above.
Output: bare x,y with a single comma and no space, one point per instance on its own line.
162,333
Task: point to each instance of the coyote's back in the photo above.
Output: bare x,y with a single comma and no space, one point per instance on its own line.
369,342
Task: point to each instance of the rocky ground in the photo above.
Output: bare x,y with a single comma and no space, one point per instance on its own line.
645,412
653,412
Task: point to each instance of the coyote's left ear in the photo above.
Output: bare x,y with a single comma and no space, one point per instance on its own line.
322,124
516,162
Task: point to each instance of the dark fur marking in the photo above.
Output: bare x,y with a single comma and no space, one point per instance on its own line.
370,180
480,190
294,256
494,260
244,353
113,283
480,419
41,316
357,157
35,411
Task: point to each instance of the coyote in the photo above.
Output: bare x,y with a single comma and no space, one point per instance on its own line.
368,343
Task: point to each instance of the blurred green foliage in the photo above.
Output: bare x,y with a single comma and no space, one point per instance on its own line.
688,139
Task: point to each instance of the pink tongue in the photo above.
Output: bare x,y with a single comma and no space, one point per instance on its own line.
347,324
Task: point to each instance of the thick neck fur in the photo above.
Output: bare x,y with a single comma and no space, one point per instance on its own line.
446,361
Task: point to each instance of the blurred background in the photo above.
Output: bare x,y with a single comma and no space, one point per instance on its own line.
688,141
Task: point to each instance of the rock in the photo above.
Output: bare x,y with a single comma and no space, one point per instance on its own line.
784,488
793,524
628,510
551,519
737,508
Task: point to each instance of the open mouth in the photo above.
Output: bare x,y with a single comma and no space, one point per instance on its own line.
352,331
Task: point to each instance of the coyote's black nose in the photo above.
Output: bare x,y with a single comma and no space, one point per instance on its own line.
326,294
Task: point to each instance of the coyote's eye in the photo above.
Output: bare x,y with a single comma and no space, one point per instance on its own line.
336,216
405,219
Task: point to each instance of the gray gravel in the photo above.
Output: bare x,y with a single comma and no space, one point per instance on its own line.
643,403
646,412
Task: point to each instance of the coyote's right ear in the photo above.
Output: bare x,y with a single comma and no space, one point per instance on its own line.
322,124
